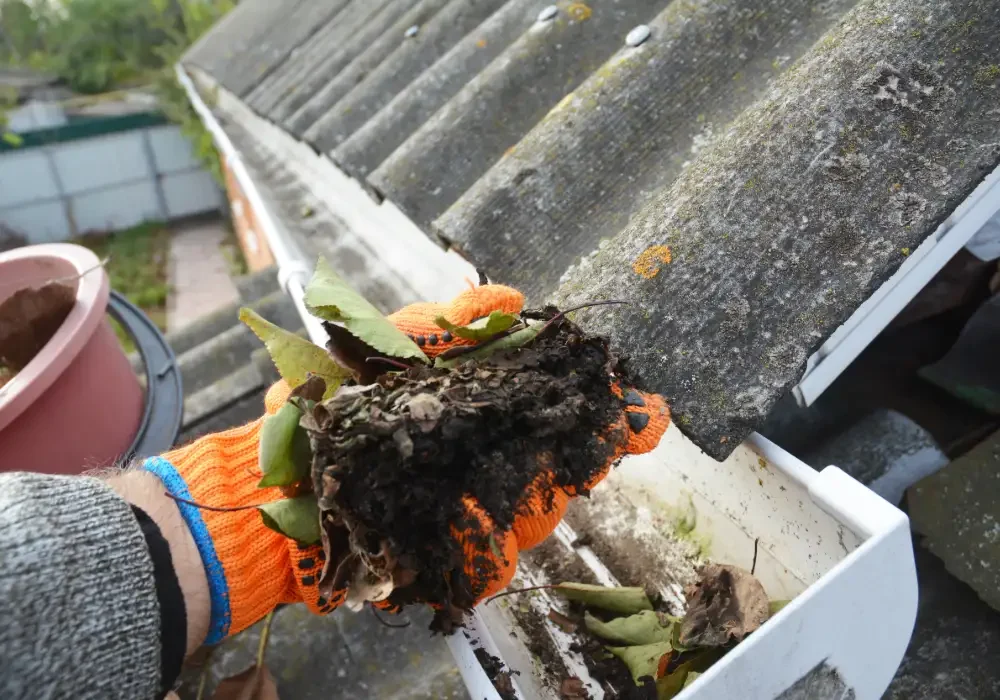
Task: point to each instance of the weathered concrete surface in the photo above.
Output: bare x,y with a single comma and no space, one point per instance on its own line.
219,50
277,39
807,205
956,642
413,55
626,132
496,108
385,131
211,359
356,27
344,656
198,273
958,512
885,450
335,87
267,92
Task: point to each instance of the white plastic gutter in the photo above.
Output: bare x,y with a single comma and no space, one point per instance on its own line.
294,268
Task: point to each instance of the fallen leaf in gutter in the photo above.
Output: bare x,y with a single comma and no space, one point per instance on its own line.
646,627
644,660
572,688
725,605
624,599
562,622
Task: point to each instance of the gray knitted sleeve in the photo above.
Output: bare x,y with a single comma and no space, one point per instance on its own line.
79,616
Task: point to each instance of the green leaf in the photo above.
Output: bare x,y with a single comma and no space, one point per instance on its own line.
625,600
673,683
296,518
515,340
481,329
692,676
645,627
11,139
295,357
642,660
329,298
775,606
285,455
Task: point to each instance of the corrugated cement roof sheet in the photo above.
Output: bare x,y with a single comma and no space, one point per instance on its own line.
783,155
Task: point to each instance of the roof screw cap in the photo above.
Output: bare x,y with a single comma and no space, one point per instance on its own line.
412,31
637,35
548,13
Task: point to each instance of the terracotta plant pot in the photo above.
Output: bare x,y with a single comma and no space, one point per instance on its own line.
77,405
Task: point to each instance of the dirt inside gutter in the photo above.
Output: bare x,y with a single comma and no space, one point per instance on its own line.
639,548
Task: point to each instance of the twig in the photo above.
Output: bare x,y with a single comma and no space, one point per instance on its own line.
386,623
561,314
217,509
205,672
264,635
521,590
394,363
753,567
78,275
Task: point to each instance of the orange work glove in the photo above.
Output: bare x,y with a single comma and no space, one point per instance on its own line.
251,568
644,419
642,424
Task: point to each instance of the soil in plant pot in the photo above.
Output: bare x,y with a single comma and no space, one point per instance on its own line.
395,462
28,319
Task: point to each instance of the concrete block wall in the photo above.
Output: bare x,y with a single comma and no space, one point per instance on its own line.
54,192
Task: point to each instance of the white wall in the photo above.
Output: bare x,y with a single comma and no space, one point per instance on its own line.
106,183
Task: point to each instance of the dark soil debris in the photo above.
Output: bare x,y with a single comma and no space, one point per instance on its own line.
28,320
611,672
393,461
499,675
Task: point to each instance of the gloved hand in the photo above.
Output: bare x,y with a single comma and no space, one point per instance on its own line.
644,420
251,568
642,424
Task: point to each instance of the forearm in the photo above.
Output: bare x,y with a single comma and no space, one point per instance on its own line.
78,594
144,490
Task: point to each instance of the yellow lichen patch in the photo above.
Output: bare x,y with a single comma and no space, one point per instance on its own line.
579,11
481,43
649,262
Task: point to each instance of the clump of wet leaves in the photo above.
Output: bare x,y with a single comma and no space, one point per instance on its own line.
394,462
381,472
639,652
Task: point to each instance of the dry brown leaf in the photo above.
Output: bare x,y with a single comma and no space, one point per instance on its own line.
28,320
353,353
725,605
563,622
256,683
572,688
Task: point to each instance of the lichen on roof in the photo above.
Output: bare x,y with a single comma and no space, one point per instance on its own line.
788,153
801,211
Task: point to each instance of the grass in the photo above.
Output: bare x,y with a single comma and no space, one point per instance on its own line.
137,267
231,251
